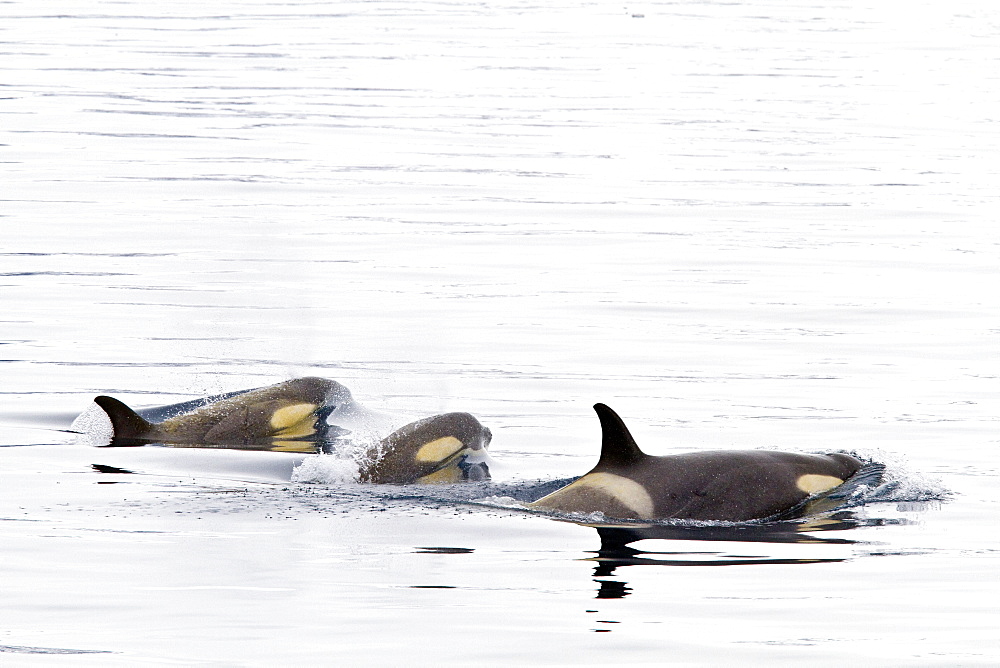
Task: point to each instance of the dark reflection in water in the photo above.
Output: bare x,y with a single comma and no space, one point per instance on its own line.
613,589
616,548
104,468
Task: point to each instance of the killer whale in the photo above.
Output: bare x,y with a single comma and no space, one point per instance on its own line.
440,449
269,416
291,417
730,485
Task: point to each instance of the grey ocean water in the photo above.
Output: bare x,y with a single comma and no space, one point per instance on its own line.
742,224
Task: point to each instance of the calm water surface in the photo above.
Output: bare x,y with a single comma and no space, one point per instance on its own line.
739,224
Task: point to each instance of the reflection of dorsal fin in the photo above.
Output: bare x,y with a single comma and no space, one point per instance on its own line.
618,448
125,421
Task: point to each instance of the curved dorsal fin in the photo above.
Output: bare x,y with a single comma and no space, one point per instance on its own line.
125,421
618,448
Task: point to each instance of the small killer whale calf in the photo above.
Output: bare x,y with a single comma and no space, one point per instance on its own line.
289,411
728,485
292,417
445,448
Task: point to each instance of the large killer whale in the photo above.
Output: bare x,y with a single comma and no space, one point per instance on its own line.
730,485
292,417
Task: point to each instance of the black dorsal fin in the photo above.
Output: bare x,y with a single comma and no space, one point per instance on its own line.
618,448
125,421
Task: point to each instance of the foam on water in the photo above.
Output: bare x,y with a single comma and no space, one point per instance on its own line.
93,427
327,470
899,482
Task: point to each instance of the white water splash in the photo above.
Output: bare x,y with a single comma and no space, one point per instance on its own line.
899,483
326,470
93,427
